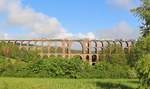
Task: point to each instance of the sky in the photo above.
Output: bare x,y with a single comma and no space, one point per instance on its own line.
72,19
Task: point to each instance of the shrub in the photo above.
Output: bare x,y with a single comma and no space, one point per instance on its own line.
57,67
114,54
143,71
12,51
140,49
107,70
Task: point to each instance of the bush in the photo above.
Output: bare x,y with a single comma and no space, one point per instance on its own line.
114,54
140,49
108,70
143,71
57,67
12,51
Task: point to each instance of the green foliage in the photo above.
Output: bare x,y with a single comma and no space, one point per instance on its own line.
108,70
143,71
140,49
12,51
143,12
114,54
57,67
143,45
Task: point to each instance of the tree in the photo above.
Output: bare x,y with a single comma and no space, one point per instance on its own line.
143,72
143,12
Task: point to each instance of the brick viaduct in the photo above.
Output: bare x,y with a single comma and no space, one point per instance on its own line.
89,49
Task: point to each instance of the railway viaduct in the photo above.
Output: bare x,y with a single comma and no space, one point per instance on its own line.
89,49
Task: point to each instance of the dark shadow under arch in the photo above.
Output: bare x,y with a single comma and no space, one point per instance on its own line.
45,56
94,59
87,58
78,57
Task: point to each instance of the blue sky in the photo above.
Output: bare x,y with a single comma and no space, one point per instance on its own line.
78,17
83,15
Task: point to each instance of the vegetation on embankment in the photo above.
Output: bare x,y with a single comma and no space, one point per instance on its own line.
57,67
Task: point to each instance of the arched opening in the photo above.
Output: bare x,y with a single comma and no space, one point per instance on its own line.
94,59
60,56
66,56
38,56
77,57
38,45
94,47
45,46
18,43
52,56
45,57
76,48
31,45
87,58
55,47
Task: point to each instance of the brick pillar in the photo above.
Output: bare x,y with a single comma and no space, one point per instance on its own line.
35,45
27,45
63,46
97,53
49,48
69,44
83,50
21,44
41,49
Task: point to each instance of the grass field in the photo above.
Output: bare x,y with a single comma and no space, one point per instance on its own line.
46,83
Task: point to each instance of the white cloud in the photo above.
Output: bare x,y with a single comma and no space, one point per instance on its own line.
37,23
3,36
120,3
2,5
89,35
41,25
121,31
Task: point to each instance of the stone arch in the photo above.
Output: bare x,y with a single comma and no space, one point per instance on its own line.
52,56
45,56
38,46
39,56
76,47
30,45
130,45
78,56
94,58
87,58
94,47
18,43
86,46
106,45
23,49
45,47
56,47
60,56
101,47
52,45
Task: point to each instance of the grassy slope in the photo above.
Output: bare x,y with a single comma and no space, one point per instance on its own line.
45,83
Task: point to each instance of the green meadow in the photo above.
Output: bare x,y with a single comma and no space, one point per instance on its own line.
46,83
